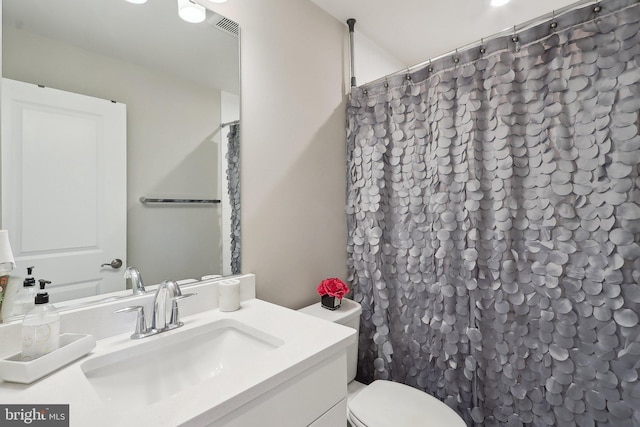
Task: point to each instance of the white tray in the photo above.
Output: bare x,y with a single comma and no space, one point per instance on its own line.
72,346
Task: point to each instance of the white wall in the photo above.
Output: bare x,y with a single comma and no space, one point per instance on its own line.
173,148
292,146
371,61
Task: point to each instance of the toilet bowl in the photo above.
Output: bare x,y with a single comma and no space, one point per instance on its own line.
384,403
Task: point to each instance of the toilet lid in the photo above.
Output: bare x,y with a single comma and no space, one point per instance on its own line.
390,404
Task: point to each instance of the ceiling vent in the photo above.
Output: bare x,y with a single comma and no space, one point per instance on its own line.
224,24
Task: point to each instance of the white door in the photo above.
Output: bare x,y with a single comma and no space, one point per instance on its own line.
64,187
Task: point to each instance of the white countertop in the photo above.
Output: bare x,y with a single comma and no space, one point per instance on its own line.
307,341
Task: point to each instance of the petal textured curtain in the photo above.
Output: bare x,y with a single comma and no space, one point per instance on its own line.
494,220
233,187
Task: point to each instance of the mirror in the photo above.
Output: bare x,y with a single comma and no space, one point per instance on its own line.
172,87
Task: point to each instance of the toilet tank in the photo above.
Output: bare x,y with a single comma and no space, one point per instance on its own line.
348,315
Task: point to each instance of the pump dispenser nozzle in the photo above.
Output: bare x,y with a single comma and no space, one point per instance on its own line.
42,297
29,280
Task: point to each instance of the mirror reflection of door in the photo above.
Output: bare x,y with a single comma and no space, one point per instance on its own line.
64,187
179,82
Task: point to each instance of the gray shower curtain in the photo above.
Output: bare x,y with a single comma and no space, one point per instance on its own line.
233,188
493,207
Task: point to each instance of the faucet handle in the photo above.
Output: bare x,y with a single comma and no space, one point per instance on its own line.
183,296
141,323
174,321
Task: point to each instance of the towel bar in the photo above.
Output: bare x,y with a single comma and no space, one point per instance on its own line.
145,200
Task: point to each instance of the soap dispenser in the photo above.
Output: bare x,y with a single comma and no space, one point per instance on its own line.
40,327
26,297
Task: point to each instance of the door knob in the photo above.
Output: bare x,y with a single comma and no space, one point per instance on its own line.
116,263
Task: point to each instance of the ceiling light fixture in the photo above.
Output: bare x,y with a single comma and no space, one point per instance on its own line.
191,11
137,1
497,3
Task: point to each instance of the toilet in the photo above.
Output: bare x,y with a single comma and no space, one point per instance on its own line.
383,403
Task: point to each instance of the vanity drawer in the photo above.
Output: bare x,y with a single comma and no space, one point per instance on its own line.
316,397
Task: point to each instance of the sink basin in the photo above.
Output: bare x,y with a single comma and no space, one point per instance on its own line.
168,363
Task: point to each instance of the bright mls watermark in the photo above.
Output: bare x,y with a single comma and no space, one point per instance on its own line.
34,415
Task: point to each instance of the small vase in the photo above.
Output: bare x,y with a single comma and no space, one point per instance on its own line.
330,303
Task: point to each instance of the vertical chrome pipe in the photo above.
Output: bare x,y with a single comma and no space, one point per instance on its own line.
352,23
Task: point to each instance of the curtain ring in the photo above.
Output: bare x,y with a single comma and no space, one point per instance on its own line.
430,69
515,39
483,50
386,82
456,58
554,23
597,9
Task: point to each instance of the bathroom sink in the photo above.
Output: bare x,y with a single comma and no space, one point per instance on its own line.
155,368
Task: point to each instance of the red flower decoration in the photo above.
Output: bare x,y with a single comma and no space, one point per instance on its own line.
333,287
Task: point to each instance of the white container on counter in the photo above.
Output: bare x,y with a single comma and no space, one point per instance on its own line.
229,295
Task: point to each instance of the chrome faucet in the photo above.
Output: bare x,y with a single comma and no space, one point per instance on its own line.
137,286
165,311
163,317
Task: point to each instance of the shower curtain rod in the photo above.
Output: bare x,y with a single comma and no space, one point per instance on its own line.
507,31
235,122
